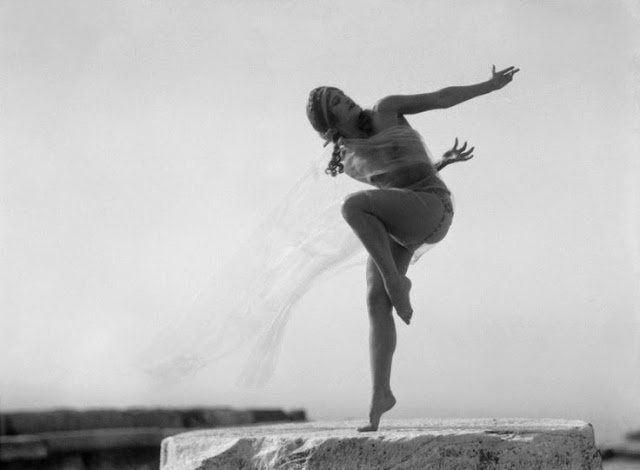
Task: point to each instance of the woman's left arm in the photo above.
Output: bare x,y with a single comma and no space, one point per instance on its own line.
454,95
445,98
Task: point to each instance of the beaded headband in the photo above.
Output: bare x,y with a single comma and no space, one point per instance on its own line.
323,104
318,112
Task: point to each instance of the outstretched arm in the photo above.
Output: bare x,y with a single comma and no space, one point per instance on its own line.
447,97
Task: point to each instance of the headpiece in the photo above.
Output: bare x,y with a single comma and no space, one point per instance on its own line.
318,112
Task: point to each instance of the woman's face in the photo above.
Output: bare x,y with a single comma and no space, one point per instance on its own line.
343,109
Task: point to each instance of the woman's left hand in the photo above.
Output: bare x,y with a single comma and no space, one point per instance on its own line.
501,78
457,154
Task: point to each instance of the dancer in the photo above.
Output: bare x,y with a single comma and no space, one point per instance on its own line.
411,207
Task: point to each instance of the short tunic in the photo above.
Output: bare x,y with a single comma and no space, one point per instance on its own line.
398,158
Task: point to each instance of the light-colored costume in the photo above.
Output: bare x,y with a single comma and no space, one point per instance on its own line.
397,158
301,242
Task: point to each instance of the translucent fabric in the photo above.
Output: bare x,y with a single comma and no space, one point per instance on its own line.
301,242
395,158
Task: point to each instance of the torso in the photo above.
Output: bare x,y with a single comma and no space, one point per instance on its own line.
403,176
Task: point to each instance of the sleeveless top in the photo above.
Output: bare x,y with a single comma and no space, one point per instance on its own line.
394,158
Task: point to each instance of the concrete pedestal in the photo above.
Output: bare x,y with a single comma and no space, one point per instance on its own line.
399,444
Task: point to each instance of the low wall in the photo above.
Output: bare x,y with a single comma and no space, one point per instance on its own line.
111,439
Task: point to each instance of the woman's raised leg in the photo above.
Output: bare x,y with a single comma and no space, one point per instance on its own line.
376,214
382,336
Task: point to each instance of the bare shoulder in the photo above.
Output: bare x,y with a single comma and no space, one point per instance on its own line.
386,105
385,116
410,104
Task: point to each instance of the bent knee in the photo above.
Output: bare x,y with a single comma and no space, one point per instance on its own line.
354,204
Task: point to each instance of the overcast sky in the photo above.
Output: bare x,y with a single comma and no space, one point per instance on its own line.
139,141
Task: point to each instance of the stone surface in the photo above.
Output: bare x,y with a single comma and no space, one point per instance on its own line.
399,444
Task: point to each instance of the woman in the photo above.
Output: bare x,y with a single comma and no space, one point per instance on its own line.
410,209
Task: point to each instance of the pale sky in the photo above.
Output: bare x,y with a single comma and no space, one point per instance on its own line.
139,141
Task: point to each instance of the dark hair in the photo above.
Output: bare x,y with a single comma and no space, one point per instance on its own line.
320,124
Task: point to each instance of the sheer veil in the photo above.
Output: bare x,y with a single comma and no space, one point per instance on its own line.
247,303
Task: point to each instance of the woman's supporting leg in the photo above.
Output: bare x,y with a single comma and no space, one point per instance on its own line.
382,336
374,215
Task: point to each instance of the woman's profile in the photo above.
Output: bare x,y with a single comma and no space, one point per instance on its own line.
409,208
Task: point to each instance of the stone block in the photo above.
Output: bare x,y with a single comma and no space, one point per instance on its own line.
399,444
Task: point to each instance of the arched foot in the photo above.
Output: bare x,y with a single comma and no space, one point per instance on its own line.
399,295
380,404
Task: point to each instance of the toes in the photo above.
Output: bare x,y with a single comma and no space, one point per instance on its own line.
369,428
405,316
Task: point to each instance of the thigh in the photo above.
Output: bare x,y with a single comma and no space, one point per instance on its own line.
408,216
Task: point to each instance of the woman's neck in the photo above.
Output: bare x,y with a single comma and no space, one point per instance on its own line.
352,131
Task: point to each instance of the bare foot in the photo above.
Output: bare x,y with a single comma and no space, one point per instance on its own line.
381,403
399,294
